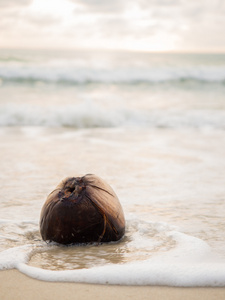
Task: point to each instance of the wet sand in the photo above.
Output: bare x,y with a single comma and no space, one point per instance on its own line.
15,285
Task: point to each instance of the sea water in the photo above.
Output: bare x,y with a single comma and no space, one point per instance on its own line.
152,126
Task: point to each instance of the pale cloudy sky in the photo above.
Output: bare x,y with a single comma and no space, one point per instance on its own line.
149,25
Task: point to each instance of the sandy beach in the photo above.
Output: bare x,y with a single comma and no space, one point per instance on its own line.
15,285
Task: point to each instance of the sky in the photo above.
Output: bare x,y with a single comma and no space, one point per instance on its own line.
137,25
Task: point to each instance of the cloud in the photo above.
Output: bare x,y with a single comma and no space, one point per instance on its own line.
40,20
23,26
204,22
142,24
10,11
100,6
14,3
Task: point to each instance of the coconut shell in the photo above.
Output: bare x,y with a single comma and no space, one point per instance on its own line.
82,210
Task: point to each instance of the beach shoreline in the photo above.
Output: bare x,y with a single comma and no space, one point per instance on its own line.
15,285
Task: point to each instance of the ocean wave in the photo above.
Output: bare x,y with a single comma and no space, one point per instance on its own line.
90,115
86,115
157,252
67,74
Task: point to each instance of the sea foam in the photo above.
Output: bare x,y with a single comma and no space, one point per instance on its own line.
190,262
90,115
68,73
187,265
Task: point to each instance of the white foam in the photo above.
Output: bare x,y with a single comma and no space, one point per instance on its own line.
145,273
190,264
72,72
12,257
81,116
90,115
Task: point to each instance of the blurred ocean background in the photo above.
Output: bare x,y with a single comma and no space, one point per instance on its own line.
151,124
111,89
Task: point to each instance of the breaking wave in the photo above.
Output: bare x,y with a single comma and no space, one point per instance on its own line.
89,115
67,74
